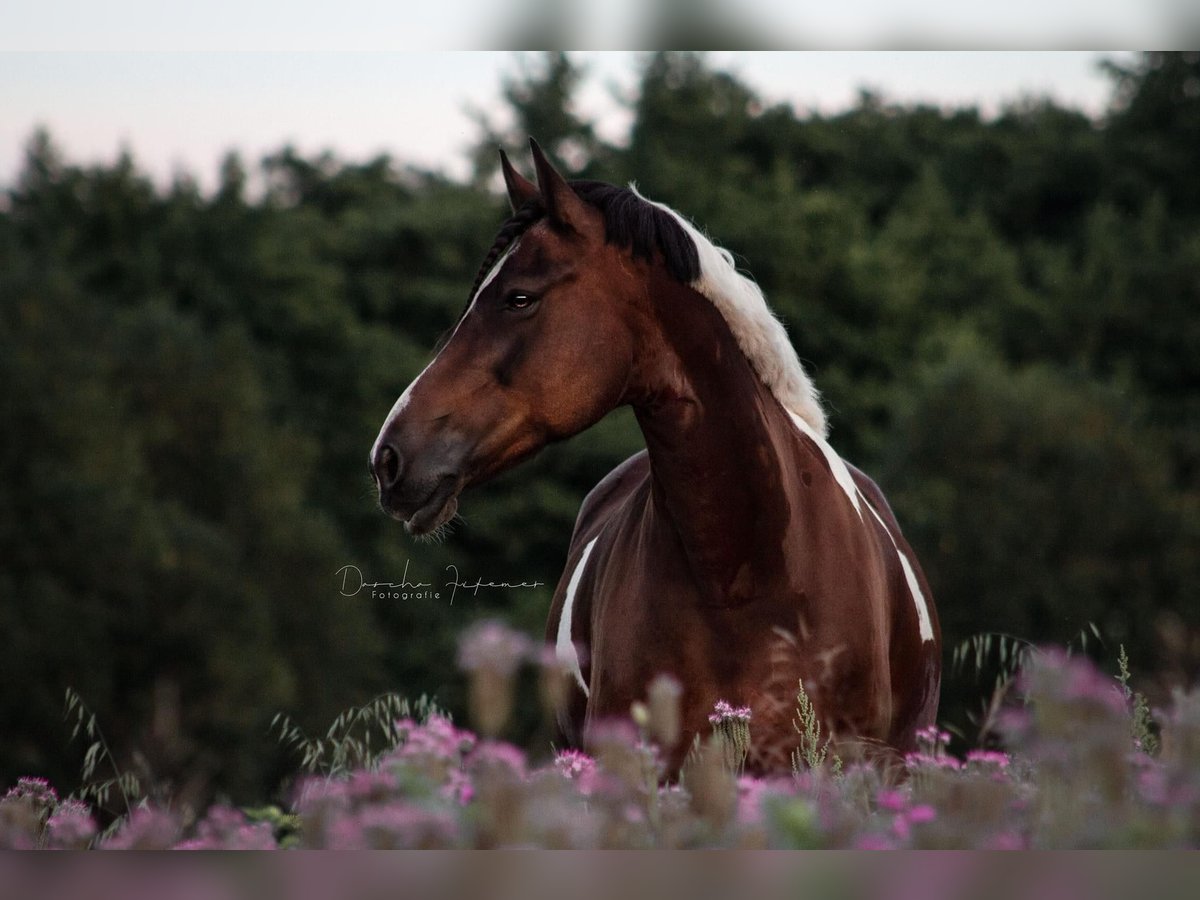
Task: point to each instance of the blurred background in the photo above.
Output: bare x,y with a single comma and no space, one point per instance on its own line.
992,270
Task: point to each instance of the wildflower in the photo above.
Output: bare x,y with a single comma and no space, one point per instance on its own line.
148,828
724,712
662,705
873,842
35,791
498,757
491,652
892,801
554,681
919,815
988,759
732,725
920,760
573,763
370,787
225,828
70,827
394,826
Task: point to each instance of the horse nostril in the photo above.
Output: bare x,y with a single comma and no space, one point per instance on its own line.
387,466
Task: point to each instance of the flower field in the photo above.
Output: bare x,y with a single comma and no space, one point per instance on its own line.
1083,765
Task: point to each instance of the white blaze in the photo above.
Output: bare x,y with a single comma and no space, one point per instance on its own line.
402,401
564,647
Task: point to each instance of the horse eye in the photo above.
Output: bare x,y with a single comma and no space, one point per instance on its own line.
519,300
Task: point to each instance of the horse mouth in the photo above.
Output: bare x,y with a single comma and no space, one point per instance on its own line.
436,510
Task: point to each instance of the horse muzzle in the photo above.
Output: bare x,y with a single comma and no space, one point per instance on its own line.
423,497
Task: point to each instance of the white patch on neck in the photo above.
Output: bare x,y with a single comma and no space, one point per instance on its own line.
403,401
760,335
914,588
842,476
564,647
836,464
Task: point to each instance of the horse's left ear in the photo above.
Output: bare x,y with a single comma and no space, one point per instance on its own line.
520,189
563,205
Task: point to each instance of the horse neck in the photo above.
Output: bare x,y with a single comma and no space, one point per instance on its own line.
712,430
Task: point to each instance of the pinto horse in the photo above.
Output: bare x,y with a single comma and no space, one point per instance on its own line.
738,552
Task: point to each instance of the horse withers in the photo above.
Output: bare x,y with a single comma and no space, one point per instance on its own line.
738,552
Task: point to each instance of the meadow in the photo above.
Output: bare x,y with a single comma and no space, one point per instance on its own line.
1076,759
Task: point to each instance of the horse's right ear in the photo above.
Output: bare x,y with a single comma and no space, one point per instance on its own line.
563,206
520,189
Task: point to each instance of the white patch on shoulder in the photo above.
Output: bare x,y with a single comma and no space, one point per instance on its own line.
564,647
836,465
402,402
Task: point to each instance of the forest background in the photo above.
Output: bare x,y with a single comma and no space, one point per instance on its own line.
1002,312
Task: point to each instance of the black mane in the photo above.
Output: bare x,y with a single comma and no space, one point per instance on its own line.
629,222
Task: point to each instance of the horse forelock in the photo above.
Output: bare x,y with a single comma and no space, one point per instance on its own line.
647,228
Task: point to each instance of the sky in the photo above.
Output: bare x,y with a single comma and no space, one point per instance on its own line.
181,111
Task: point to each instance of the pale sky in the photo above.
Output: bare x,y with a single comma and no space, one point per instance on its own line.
183,110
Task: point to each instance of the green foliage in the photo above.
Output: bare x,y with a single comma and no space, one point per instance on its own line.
98,754
812,752
1141,723
357,736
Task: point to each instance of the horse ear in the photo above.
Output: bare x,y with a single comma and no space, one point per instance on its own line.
563,205
520,189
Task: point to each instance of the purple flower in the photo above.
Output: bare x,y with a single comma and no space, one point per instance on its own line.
36,791
490,644
70,827
497,757
574,763
752,792
892,801
873,842
148,828
724,712
393,826
225,828
437,737
988,759
921,814
367,787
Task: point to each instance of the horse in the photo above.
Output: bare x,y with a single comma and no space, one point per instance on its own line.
737,553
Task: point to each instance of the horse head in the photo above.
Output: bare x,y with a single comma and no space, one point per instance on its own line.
543,351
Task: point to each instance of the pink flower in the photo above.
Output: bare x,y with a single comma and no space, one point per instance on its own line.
988,759
71,827
919,815
490,644
579,768
36,791
498,756
148,828
892,801
225,828
873,842
723,712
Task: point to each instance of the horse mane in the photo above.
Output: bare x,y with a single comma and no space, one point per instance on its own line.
647,229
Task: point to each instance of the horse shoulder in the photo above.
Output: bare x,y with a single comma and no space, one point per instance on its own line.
609,494
595,510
